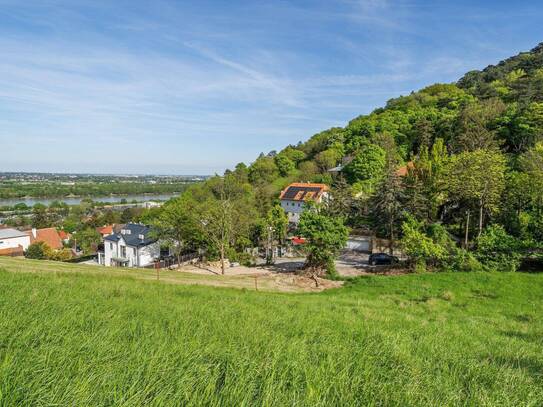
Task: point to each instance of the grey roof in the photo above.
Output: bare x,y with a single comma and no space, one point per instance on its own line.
339,168
133,238
11,233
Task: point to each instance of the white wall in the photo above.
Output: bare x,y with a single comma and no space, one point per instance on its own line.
110,251
359,243
137,257
148,254
293,209
14,242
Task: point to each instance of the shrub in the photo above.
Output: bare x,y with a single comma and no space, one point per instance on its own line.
419,247
464,261
38,251
498,250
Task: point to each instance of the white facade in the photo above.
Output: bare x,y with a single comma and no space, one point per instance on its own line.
294,208
120,254
359,244
11,239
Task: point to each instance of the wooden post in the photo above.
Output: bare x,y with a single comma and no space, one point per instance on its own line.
157,268
256,283
466,238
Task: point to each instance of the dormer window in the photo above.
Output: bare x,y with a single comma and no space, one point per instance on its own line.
125,231
141,237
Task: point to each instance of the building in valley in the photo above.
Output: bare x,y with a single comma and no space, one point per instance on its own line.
133,246
50,236
13,242
294,197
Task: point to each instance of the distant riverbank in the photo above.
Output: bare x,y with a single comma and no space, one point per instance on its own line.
73,200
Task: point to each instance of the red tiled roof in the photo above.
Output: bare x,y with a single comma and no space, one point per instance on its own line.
404,170
105,230
64,235
303,191
48,235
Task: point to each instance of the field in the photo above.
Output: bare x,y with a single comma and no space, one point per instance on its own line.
88,338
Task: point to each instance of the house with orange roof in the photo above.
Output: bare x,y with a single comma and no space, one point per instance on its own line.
64,236
404,170
294,197
49,236
105,230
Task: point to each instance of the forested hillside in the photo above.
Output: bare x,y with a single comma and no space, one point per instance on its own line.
450,170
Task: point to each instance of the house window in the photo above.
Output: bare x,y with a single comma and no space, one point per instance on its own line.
111,246
134,251
123,251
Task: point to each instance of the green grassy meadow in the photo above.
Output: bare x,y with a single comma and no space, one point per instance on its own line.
95,339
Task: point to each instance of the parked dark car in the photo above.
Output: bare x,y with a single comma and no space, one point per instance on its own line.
378,259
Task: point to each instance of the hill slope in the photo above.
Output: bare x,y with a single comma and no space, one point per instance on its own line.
407,122
444,339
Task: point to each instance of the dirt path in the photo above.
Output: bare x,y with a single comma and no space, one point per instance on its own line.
249,278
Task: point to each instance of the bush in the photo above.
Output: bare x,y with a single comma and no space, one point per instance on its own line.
38,251
464,261
420,247
243,258
497,250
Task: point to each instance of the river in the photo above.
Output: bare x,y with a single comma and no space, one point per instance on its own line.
77,200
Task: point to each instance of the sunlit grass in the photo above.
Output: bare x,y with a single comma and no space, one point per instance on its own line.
91,339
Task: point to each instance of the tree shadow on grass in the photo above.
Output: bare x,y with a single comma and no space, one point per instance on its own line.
286,267
525,336
531,365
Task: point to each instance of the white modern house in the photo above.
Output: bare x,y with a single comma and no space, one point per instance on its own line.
294,197
133,246
13,241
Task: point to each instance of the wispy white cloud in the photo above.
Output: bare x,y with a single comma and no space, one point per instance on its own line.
173,85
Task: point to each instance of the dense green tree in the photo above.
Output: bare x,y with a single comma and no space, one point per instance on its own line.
328,159
87,239
263,170
294,154
176,226
326,236
284,164
387,206
40,217
477,177
275,230
476,127
367,165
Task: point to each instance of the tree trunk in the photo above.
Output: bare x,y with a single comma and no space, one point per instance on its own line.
480,219
314,277
466,239
179,260
391,243
222,258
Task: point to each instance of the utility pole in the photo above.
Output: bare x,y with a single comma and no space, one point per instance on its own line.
269,249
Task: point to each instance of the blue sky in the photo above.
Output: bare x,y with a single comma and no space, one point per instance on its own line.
193,87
